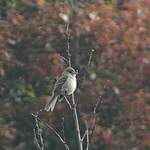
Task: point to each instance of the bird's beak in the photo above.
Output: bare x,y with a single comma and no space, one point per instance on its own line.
76,72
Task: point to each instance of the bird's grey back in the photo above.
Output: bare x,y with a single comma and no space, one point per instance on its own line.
59,84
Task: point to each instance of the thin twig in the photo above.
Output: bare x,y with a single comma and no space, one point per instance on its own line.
63,130
68,41
74,110
84,135
96,105
87,137
90,57
36,140
76,121
55,132
58,135
68,103
64,59
38,135
99,101
89,63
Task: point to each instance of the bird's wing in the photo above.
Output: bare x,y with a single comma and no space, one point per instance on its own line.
59,84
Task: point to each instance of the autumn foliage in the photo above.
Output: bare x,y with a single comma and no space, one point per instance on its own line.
33,43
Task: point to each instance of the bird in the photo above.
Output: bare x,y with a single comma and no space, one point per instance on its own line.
64,86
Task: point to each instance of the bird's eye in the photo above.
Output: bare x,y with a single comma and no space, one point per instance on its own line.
71,71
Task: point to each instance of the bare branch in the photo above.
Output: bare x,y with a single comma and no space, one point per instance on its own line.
68,103
76,121
36,140
90,57
38,133
58,135
99,101
74,110
84,135
96,105
89,63
68,41
64,59
87,137
55,132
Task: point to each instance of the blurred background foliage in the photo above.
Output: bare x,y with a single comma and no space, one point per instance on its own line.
33,47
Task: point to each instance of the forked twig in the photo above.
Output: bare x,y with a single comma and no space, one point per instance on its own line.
70,106
86,134
38,133
54,131
74,110
99,101
36,139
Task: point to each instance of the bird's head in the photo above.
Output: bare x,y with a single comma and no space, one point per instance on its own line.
70,70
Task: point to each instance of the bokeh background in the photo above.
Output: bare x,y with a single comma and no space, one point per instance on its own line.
33,43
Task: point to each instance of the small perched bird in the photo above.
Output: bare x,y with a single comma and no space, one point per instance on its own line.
64,86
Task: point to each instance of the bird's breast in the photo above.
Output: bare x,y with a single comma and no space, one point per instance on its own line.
71,85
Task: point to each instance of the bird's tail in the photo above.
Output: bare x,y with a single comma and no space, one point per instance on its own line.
51,103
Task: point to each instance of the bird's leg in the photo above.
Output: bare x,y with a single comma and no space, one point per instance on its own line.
68,103
74,106
61,98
